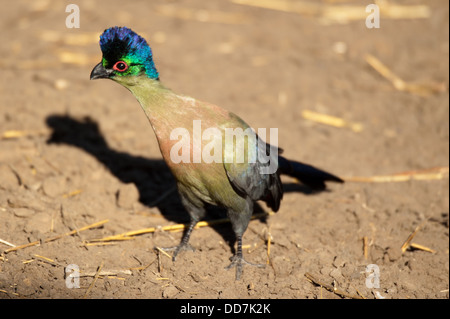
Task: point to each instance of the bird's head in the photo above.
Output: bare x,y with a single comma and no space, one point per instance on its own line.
125,55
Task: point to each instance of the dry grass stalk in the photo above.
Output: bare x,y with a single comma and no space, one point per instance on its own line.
424,89
422,247
94,225
340,13
145,266
34,243
163,252
10,293
72,193
334,290
75,231
331,120
98,244
366,247
62,57
93,281
407,242
398,83
104,273
47,260
177,227
202,15
269,240
18,133
32,65
77,58
358,292
76,39
158,256
435,173
7,243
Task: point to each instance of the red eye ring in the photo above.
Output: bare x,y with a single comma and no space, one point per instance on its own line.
120,66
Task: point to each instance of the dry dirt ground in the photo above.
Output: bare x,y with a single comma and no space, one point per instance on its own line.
84,151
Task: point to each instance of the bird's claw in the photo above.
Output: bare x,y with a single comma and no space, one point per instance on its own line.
239,262
177,249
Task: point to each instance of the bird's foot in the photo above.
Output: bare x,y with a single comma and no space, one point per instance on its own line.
239,262
177,249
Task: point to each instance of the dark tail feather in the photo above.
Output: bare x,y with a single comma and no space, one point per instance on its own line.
307,174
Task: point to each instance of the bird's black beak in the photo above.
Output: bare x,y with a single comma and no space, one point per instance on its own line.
99,72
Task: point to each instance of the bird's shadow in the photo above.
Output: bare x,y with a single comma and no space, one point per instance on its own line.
152,177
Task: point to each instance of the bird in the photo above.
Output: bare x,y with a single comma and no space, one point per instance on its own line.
231,183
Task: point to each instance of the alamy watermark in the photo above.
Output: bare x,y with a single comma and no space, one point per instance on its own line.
73,19
229,145
373,19
372,276
72,276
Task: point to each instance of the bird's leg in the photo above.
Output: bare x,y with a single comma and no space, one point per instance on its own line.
184,245
238,260
239,221
196,211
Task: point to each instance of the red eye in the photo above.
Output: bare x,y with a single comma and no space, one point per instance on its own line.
120,66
